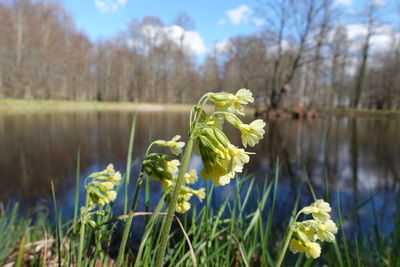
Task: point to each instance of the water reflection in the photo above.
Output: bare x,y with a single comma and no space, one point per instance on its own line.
358,157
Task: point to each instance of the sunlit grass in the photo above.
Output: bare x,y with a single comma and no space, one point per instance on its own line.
230,234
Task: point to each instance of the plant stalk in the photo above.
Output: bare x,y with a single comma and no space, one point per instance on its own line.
287,241
284,248
81,240
172,205
128,223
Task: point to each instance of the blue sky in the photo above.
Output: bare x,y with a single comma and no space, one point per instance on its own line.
215,21
211,20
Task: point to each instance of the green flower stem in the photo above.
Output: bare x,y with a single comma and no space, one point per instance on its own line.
81,240
284,248
185,162
128,223
82,236
172,205
287,241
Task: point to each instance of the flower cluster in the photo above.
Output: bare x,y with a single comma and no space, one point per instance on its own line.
306,233
162,168
101,187
185,192
221,159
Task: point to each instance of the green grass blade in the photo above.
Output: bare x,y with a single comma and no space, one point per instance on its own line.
77,176
129,162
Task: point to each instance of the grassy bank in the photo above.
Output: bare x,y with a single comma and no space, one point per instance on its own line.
37,106
353,112
232,234
23,106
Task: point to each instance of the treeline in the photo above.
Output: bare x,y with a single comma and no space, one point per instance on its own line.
303,56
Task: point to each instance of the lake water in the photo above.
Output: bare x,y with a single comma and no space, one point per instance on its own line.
359,158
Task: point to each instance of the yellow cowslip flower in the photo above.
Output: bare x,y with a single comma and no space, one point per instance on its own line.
296,246
319,210
231,164
101,197
238,157
115,178
107,185
182,206
101,188
214,171
104,173
171,166
310,249
111,195
166,184
242,97
173,145
252,133
221,159
232,103
110,169
226,179
326,230
191,177
185,193
306,233
200,193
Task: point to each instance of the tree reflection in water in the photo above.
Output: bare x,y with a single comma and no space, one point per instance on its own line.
359,157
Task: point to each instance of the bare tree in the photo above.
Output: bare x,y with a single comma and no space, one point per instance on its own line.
339,47
371,24
185,23
291,22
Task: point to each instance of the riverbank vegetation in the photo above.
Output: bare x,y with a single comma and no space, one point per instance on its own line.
36,105
302,54
229,234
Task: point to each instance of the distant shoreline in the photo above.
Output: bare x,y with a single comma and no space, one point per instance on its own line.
353,113
22,105
39,106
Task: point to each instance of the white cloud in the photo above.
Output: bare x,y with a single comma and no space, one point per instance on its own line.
109,6
192,41
285,45
222,22
343,2
381,40
221,47
379,2
239,14
356,31
258,22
